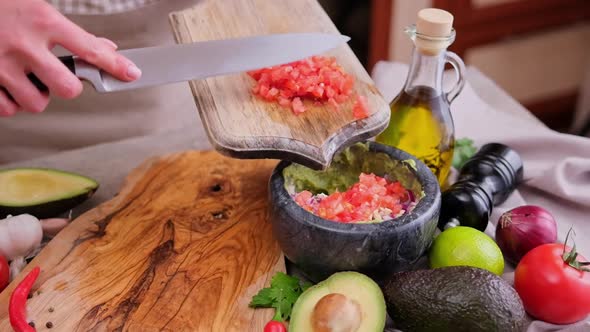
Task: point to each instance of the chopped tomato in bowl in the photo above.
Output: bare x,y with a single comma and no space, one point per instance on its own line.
372,199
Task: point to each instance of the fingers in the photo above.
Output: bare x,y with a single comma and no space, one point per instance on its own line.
25,47
25,94
96,51
56,76
7,106
108,42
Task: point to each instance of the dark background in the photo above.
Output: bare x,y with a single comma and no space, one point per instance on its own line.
352,18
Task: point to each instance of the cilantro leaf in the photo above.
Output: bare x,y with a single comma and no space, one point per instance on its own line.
464,150
281,279
282,294
263,299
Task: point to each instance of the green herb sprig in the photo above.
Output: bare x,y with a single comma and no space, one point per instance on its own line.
464,149
282,294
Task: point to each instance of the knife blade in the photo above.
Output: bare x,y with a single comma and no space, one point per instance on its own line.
198,60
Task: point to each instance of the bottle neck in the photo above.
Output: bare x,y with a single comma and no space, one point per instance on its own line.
426,71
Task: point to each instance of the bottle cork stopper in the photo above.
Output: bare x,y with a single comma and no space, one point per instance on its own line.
434,22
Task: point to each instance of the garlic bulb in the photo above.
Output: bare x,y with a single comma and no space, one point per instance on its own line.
19,236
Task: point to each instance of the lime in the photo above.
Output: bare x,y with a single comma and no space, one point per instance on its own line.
466,246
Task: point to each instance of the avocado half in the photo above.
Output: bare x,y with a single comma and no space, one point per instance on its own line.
346,301
42,192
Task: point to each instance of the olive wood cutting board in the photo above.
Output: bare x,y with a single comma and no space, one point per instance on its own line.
183,247
241,125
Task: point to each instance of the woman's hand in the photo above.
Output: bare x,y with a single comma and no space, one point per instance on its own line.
29,29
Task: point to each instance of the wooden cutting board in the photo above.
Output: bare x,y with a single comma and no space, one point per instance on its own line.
243,126
183,247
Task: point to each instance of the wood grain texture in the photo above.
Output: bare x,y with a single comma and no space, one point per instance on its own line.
243,126
183,247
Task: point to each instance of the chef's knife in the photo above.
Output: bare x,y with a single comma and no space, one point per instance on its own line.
184,62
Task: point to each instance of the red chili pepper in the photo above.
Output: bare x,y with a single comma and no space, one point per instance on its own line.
17,309
4,273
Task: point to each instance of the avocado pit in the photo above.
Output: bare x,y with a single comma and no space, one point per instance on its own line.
336,313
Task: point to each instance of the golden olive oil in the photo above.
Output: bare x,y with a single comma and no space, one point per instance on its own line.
421,125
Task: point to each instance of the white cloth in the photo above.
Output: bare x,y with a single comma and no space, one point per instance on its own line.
89,7
556,165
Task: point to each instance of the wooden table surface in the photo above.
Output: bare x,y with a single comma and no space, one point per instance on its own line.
173,251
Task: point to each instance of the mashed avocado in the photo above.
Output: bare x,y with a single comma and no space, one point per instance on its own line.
345,169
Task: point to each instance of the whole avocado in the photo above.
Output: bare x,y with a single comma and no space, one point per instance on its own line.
457,298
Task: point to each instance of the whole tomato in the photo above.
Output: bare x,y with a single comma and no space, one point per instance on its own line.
4,273
274,326
554,284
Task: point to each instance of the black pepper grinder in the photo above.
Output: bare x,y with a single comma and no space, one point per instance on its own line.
485,180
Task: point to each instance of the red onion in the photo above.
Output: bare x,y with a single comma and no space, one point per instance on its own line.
524,228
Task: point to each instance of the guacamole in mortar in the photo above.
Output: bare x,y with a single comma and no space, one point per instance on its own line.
357,180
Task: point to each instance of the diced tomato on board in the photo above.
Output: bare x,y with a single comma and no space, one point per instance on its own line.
318,79
360,110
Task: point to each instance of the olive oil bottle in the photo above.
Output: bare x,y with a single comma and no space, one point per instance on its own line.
421,122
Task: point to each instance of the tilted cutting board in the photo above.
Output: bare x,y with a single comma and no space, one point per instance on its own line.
243,126
183,247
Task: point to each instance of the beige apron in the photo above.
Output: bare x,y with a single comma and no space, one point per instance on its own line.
94,118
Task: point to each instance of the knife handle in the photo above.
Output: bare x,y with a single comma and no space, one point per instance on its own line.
67,60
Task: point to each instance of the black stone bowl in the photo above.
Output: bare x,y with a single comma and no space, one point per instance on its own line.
320,247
